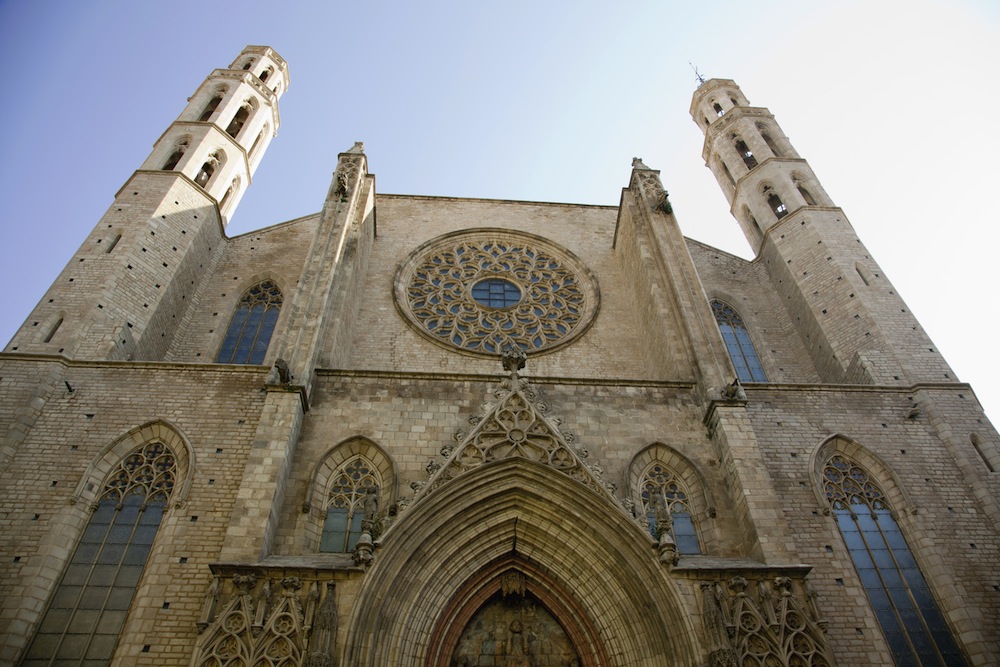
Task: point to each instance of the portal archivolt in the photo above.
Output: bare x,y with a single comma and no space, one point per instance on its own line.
581,558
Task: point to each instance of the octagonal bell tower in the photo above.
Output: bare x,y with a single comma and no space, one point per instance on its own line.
124,293
855,325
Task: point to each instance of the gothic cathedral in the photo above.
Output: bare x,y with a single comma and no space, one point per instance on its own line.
439,432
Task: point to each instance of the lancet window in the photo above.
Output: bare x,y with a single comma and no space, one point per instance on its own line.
354,493
748,159
738,343
88,609
914,628
662,487
252,326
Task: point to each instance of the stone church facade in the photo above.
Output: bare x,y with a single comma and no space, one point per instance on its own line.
435,431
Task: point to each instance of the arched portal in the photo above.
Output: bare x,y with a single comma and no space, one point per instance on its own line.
580,556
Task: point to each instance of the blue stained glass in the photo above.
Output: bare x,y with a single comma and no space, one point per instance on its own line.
252,325
738,344
684,534
914,629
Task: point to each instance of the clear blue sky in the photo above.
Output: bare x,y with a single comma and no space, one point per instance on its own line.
891,102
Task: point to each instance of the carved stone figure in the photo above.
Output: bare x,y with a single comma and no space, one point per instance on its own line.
370,518
734,391
284,374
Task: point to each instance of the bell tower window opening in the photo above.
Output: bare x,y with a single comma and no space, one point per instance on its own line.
212,105
769,141
738,343
729,175
914,628
239,120
805,195
353,495
774,201
748,159
252,326
175,156
662,488
718,109
265,74
208,168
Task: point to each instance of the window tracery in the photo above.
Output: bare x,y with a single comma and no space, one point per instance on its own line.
483,292
353,493
252,326
907,612
88,609
660,483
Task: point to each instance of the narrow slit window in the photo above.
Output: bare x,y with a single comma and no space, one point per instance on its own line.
805,195
53,330
738,343
239,120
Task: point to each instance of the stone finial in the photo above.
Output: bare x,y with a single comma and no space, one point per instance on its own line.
514,359
358,147
637,163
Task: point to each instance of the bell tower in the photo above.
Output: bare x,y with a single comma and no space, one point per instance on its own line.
855,325
124,292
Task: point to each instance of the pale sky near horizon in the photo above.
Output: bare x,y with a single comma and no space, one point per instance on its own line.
889,101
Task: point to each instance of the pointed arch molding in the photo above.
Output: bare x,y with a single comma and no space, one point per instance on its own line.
700,498
899,500
581,556
334,457
155,431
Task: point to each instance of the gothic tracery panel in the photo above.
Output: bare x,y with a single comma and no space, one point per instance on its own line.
486,291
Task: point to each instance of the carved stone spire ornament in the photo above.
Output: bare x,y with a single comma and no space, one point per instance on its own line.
647,181
323,641
516,427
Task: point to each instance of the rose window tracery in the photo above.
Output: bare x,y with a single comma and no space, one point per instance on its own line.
487,291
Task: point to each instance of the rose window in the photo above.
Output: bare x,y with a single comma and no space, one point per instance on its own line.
487,291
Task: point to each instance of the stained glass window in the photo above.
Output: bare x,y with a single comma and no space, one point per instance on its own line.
87,611
496,293
914,628
352,482
737,338
250,330
660,481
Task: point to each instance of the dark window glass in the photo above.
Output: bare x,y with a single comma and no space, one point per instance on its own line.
738,343
906,610
352,482
661,484
496,293
87,610
252,326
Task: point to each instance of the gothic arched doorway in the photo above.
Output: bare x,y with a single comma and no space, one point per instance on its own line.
583,560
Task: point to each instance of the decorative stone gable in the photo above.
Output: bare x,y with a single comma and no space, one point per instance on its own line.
516,427
763,621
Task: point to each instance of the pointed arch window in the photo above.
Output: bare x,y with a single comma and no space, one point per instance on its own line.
914,628
661,484
356,483
88,609
252,326
738,343
718,109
